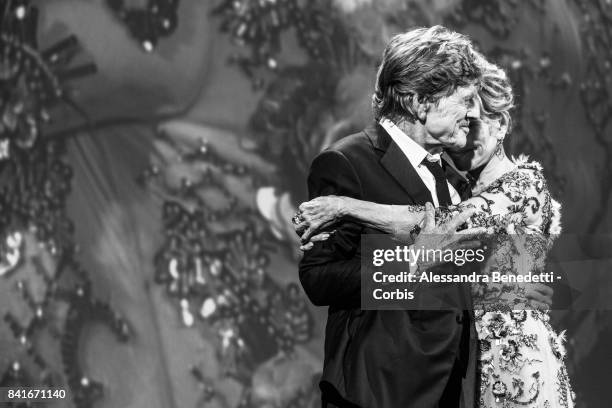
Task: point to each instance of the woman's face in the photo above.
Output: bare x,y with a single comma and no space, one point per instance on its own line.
481,144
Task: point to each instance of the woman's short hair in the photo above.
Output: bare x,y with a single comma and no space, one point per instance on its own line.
495,92
419,66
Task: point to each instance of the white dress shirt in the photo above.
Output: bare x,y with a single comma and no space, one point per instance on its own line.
415,155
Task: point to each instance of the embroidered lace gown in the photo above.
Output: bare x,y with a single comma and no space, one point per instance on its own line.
521,357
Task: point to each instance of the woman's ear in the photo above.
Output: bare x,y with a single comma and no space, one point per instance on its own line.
502,130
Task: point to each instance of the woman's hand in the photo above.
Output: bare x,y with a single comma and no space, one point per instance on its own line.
323,236
316,214
397,220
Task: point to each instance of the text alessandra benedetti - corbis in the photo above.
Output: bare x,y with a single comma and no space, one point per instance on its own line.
473,277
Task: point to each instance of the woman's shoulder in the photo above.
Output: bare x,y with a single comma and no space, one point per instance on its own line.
526,172
527,166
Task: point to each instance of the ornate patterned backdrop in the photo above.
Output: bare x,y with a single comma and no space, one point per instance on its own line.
152,154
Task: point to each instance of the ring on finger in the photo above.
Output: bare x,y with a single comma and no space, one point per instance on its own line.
297,218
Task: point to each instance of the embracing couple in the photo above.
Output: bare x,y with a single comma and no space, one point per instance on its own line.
434,163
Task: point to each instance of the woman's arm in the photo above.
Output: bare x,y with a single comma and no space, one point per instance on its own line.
318,214
397,220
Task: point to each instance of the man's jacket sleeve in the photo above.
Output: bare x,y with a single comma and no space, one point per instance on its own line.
330,272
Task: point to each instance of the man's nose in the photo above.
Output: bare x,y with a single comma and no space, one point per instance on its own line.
473,112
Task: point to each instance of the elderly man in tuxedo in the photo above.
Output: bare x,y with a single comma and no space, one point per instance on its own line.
423,102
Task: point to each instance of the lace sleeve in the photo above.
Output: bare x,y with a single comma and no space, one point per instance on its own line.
517,202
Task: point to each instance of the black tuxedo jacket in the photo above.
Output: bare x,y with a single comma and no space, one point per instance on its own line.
378,359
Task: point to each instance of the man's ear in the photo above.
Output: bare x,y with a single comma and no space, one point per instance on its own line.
421,110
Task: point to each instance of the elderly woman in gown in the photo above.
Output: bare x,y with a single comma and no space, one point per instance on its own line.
521,360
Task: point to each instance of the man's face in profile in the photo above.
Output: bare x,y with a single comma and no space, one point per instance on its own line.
448,121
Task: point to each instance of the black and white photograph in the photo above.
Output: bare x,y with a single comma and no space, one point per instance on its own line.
305,203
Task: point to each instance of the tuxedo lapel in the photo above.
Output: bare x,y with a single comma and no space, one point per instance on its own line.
398,166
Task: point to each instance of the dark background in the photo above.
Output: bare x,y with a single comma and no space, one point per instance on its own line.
165,177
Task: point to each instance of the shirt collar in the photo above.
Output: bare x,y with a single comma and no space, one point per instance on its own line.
411,149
